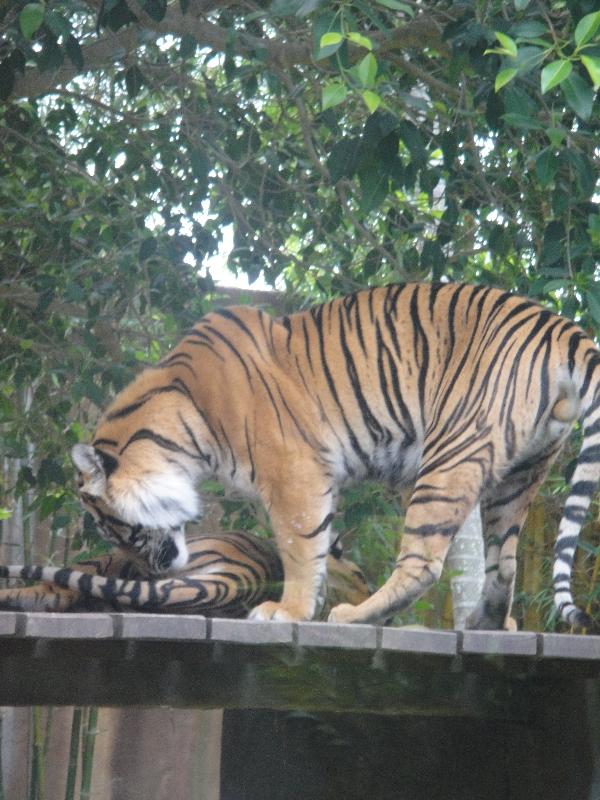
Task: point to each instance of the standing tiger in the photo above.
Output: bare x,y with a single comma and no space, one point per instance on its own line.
466,392
225,576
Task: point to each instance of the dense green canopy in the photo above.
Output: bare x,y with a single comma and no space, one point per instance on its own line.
343,143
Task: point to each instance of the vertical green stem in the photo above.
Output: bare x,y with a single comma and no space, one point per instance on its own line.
26,524
1,770
88,753
73,754
36,782
67,547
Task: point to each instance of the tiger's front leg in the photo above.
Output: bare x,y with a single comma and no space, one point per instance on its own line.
301,515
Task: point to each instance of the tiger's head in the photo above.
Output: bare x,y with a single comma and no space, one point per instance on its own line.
136,507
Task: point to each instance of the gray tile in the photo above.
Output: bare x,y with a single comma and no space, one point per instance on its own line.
8,623
565,645
416,641
330,634
68,626
247,631
500,643
161,626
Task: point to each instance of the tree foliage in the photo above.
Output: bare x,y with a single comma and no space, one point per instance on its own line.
343,143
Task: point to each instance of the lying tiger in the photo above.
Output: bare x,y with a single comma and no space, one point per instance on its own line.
467,392
226,576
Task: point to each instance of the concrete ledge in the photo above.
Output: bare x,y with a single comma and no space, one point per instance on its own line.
499,643
246,631
328,634
190,661
160,626
442,643
66,626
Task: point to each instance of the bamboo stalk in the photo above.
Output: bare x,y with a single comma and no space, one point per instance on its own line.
1,769
73,754
36,778
87,759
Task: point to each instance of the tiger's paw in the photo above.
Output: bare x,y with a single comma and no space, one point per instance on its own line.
276,612
344,613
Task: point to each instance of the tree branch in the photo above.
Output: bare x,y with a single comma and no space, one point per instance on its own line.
423,31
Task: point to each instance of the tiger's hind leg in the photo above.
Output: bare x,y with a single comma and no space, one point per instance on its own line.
504,511
441,501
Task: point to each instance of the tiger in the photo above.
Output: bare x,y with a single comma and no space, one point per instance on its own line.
225,576
466,392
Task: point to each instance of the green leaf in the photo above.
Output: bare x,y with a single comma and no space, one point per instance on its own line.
371,100
528,58
373,186
397,6
74,52
529,29
331,39
555,73
594,306
556,136
508,44
579,95
521,5
134,80
587,28
345,158
555,285
367,70
5,513
546,165
523,121
504,77
58,24
333,94
31,19
155,9
592,64
360,40
187,46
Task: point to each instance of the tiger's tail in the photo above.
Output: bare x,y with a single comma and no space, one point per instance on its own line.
583,485
134,593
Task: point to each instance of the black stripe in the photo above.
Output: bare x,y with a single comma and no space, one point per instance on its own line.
252,467
584,488
320,528
227,314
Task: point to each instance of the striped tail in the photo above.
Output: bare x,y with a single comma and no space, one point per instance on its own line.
583,486
126,592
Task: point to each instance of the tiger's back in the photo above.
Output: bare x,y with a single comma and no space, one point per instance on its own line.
466,391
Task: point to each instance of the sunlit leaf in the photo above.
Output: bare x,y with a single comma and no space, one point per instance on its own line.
504,77
372,100
586,29
360,40
555,73
592,64
507,43
367,70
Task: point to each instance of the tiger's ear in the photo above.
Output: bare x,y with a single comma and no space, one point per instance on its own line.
89,462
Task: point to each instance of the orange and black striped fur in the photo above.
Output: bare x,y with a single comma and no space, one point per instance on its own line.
227,574
467,392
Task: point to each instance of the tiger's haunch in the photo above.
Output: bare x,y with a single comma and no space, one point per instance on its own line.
466,392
